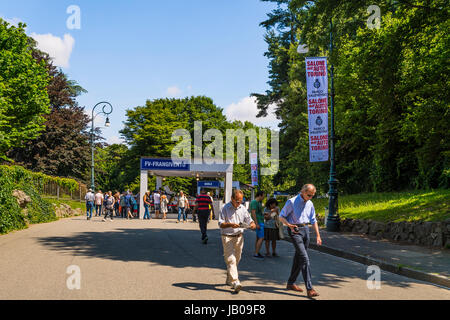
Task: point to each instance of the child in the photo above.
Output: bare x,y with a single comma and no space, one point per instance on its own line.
271,232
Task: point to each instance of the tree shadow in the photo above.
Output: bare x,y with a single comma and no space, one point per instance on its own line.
180,248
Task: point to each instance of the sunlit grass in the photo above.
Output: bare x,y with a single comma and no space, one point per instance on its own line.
394,206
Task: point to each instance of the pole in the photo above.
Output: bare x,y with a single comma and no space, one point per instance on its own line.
92,152
333,221
92,136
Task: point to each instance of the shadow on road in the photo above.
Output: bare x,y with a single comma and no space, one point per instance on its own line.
180,248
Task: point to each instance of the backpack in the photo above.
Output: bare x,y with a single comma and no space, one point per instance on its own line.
122,201
128,200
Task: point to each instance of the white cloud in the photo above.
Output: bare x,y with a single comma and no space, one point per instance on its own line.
246,110
115,140
173,91
58,49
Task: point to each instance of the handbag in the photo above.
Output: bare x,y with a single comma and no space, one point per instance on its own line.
279,226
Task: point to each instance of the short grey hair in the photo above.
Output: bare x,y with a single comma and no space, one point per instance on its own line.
307,187
234,192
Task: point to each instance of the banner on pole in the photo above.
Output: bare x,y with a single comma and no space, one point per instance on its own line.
254,167
317,97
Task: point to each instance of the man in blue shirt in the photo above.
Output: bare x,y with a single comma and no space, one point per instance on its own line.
297,213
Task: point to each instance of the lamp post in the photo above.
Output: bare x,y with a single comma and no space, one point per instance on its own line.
107,124
333,220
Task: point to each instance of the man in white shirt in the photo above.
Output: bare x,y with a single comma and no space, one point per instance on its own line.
231,220
90,198
98,203
297,213
156,203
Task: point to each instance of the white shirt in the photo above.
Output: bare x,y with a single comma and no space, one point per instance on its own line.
230,214
182,202
90,196
98,198
156,198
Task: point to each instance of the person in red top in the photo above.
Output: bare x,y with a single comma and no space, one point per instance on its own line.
202,209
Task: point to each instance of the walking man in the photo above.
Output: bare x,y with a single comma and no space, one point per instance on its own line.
231,217
256,210
98,203
156,202
202,208
297,213
182,205
90,198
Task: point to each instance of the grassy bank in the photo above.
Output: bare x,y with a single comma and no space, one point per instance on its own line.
393,206
74,204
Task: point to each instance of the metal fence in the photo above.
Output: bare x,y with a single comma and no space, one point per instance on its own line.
53,190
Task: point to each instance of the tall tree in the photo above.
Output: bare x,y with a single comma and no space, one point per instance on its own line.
23,95
391,104
63,148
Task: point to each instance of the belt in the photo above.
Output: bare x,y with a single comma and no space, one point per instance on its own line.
232,235
302,225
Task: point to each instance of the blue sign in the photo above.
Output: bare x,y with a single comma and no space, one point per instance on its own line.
164,164
208,184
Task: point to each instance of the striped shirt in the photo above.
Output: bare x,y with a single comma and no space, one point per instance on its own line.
203,201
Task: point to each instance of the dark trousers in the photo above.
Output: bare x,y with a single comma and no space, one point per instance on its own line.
203,221
301,259
109,212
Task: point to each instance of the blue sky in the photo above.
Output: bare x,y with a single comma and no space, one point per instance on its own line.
126,52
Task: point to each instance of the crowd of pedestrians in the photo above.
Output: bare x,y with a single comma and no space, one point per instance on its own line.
126,205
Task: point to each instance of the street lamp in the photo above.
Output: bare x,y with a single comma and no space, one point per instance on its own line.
106,110
333,220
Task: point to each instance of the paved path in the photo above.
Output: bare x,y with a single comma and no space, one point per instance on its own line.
161,260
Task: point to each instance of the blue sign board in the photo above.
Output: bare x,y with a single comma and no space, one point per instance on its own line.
208,184
164,164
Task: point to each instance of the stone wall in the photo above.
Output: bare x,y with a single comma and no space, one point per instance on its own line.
434,234
64,211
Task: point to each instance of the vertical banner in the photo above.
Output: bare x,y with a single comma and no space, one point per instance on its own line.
254,167
317,96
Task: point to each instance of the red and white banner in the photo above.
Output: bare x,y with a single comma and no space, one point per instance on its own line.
317,96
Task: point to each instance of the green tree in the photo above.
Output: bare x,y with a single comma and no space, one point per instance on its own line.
391,104
23,95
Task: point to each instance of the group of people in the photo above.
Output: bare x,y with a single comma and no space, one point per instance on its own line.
297,213
125,204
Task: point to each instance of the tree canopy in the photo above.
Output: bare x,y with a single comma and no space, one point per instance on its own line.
23,95
392,91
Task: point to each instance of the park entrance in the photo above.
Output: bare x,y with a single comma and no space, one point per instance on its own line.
166,167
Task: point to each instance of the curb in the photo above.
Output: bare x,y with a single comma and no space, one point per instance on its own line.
403,271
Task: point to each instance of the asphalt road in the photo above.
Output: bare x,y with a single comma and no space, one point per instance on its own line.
163,260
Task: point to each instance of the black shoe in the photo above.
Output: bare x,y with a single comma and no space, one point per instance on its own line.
205,241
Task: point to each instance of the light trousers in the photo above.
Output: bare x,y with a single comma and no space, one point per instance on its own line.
232,250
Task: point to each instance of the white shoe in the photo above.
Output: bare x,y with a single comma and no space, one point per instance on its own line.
237,287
